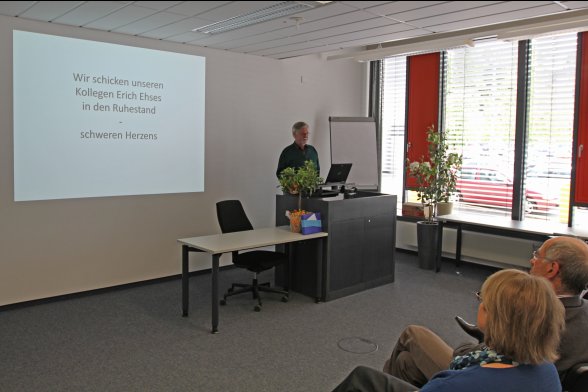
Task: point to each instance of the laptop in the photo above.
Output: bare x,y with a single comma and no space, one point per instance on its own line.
338,173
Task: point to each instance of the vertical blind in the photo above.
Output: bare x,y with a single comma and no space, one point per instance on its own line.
550,111
393,123
479,117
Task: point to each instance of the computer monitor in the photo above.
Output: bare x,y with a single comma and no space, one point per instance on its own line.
338,173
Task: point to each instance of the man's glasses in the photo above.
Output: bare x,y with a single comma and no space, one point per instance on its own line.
478,296
536,256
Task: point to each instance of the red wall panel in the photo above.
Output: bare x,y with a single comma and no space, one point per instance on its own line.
581,193
423,104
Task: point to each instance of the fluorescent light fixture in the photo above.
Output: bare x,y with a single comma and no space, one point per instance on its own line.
560,22
572,24
429,46
275,11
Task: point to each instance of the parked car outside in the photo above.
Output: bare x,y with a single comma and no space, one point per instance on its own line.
491,188
550,170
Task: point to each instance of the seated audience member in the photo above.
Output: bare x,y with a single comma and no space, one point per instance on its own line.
521,318
420,353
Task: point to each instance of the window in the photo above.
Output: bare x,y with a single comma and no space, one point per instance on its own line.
393,122
550,127
479,117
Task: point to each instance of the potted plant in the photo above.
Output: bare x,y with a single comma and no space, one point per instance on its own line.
436,177
301,181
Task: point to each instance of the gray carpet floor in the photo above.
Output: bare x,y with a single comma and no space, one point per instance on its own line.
134,339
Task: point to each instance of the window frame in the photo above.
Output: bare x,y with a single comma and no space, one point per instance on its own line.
521,123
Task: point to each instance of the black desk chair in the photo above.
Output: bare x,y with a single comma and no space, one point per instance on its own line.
576,379
232,218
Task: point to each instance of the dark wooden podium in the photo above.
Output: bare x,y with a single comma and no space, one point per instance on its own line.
360,248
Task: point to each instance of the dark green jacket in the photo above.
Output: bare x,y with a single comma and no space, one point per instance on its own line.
293,156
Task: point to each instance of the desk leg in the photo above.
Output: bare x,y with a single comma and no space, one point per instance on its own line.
439,247
185,280
289,248
320,286
215,262
458,246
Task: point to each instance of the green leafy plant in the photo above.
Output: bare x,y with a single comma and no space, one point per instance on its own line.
301,181
436,176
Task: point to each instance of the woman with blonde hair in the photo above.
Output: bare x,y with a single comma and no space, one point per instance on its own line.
522,320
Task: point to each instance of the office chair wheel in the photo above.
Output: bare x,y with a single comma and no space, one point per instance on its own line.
285,298
257,308
223,302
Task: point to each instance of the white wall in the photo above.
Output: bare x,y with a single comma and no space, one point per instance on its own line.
55,247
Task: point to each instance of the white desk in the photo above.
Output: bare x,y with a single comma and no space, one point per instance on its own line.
218,244
530,229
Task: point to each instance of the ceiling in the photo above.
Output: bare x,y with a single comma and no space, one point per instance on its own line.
330,27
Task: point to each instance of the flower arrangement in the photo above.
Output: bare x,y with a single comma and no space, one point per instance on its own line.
295,217
437,176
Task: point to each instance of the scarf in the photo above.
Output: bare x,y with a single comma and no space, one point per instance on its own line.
480,357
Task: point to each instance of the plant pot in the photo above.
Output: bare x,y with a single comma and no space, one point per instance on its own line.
428,243
295,223
444,208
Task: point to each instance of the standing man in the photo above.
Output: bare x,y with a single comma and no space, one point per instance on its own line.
298,152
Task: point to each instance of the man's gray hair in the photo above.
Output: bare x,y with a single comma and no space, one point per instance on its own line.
572,256
298,126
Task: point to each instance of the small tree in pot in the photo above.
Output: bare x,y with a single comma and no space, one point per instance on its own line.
436,176
436,179
301,181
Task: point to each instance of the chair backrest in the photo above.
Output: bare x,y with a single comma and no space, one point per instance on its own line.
231,216
576,379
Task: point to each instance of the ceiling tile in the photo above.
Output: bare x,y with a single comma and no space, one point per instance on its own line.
575,5
176,28
320,13
468,20
342,45
88,12
345,22
157,5
14,8
325,33
236,8
339,20
356,43
121,18
46,11
396,7
444,9
368,34
186,37
337,25
149,23
193,8
365,4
